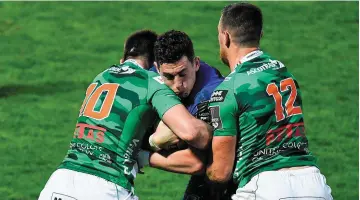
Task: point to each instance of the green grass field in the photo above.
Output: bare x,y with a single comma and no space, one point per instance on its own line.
50,51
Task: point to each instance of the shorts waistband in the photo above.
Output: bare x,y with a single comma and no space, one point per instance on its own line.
299,171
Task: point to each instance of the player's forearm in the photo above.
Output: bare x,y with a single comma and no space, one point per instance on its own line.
201,135
221,159
197,134
184,161
189,129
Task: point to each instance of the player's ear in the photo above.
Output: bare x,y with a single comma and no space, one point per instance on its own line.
261,34
227,39
197,63
121,60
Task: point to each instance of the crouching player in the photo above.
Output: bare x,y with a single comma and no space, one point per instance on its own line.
193,81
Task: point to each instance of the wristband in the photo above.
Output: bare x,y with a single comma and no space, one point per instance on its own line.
153,145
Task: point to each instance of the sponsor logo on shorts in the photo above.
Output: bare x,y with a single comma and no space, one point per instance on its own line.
218,96
58,196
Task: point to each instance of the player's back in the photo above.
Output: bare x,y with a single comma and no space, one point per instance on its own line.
114,117
267,106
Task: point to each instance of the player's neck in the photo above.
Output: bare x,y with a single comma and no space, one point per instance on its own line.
237,54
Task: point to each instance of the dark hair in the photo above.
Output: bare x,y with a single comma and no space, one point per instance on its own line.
244,22
140,43
172,45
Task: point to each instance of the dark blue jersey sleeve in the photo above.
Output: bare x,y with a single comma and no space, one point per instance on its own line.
153,69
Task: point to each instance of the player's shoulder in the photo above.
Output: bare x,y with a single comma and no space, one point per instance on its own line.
124,69
128,72
212,72
154,75
263,68
209,76
131,67
255,74
226,87
260,65
207,80
228,81
209,88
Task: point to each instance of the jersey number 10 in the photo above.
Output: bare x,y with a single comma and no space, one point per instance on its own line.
92,97
273,90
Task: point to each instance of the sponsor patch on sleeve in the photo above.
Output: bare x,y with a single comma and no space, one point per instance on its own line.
215,117
218,95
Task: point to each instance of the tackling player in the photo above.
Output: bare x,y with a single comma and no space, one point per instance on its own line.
193,81
120,104
258,118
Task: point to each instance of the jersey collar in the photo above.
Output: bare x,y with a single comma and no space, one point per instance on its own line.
134,62
249,56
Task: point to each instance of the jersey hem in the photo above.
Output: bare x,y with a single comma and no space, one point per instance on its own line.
120,180
227,132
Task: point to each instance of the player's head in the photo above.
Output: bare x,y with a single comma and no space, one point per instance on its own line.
140,45
176,61
240,25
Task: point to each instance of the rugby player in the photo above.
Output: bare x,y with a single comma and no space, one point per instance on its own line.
258,118
193,81
120,105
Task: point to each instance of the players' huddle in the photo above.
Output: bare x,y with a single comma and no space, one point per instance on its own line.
240,137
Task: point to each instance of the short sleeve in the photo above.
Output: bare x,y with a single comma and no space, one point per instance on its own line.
224,109
161,96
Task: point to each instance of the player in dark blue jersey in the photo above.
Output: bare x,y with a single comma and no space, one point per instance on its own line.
194,81
206,80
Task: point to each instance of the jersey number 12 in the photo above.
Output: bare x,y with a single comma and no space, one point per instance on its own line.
273,90
92,100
